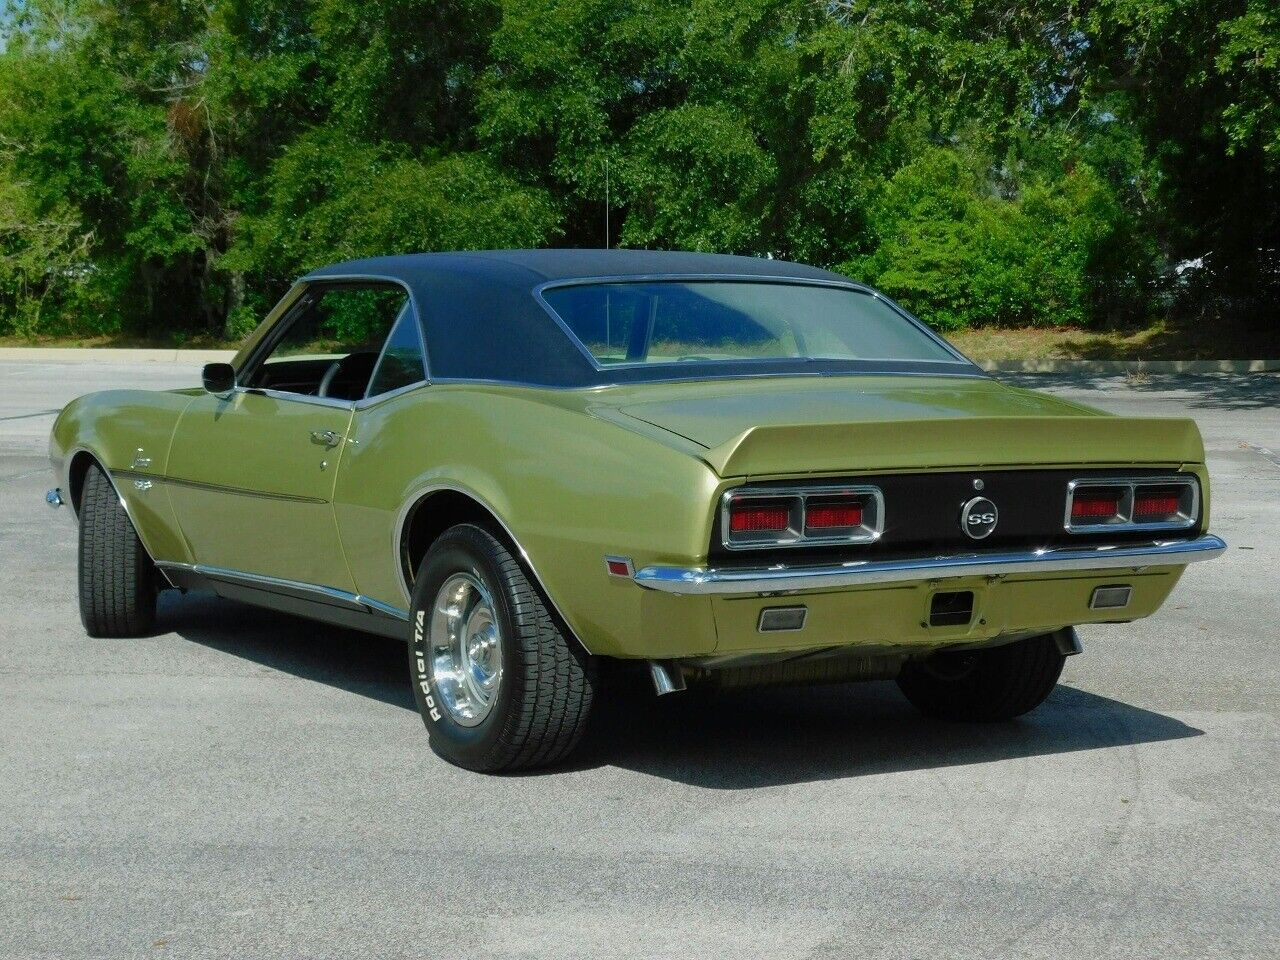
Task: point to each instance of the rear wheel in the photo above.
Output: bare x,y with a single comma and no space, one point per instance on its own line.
117,577
499,684
996,683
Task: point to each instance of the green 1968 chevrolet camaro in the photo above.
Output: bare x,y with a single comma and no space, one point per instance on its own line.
737,471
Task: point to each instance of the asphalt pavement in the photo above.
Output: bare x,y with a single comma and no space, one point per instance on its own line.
244,784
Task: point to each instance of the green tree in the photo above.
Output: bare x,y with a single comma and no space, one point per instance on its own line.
988,163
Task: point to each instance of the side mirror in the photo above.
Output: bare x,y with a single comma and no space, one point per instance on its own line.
218,377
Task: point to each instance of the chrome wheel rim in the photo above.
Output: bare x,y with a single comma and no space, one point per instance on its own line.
465,649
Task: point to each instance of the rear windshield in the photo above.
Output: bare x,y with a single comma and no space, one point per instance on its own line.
683,321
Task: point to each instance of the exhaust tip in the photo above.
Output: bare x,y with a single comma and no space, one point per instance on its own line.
1068,642
667,677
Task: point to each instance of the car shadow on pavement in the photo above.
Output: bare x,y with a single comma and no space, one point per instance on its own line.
773,737
734,740
371,666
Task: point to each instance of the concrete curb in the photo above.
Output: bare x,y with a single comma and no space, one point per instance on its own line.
113,355
1121,367
1095,367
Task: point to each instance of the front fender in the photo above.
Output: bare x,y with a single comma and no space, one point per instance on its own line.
129,433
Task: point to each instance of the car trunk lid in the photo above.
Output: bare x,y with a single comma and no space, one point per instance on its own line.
756,428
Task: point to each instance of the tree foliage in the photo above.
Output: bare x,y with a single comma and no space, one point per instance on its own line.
168,166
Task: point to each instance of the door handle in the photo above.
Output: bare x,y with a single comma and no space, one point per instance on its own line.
327,438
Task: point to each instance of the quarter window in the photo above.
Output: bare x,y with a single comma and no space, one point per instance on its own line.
401,362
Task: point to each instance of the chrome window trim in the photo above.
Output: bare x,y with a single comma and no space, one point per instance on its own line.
312,280
796,535
301,298
974,374
312,399
334,402
540,290
698,581
365,402
1129,485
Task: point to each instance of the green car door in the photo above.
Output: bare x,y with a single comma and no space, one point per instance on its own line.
251,471
251,481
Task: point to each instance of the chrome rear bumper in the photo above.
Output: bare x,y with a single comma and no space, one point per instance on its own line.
783,579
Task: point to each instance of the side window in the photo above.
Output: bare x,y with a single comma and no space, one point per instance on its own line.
332,341
401,363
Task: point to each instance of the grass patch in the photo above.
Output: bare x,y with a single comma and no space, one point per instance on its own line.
1208,340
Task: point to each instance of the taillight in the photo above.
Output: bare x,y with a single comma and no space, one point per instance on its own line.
1096,506
1156,504
756,518
832,516
1161,503
762,517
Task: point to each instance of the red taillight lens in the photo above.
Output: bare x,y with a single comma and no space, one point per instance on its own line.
1095,504
826,516
1155,505
758,518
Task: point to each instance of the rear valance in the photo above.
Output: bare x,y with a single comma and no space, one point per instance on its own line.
956,442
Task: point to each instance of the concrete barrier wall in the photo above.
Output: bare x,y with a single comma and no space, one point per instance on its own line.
1120,367
113,355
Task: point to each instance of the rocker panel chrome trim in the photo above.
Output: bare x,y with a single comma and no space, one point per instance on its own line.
321,594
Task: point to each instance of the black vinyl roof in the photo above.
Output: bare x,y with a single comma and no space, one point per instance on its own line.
526,269
482,320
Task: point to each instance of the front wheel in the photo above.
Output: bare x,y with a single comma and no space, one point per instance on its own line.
499,684
994,683
117,578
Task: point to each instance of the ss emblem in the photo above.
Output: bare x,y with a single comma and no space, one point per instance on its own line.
978,518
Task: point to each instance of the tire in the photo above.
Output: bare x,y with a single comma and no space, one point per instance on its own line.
537,708
117,577
996,683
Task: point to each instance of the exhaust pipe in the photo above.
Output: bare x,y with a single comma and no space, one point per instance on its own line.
667,677
1068,642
